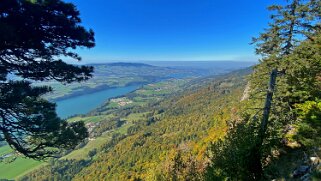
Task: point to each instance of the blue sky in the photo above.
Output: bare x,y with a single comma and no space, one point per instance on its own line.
190,30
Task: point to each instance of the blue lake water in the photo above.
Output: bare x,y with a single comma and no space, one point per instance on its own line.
85,103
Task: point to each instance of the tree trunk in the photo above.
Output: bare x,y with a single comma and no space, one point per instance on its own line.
256,151
268,104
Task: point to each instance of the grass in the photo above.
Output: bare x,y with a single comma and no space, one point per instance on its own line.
17,168
90,119
113,105
161,88
83,152
139,99
21,165
135,116
123,129
5,150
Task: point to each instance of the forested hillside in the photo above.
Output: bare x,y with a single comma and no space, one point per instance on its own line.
184,129
179,127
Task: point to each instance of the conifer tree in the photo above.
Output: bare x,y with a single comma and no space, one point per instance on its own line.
34,35
291,24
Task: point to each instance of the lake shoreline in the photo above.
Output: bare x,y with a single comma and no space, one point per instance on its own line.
93,90
83,104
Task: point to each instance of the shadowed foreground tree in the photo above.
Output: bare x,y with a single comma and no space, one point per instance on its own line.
34,35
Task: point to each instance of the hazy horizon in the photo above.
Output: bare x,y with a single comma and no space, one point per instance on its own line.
84,62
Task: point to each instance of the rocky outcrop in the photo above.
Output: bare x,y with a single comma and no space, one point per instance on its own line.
303,172
246,93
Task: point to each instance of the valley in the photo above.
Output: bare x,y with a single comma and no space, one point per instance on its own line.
118,115
114,75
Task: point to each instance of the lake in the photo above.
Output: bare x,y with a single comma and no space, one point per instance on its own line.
87,102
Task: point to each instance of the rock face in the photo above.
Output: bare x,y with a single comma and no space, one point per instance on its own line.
315,161
300,171
246,93
304,171
306,177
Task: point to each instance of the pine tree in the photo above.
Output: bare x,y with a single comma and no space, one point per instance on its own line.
292,24
241,154
33,37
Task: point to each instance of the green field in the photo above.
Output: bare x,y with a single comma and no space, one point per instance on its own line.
4,150
18,167
135,116
89,119
82,153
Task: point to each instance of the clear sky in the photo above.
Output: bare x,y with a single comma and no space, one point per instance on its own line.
134,30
